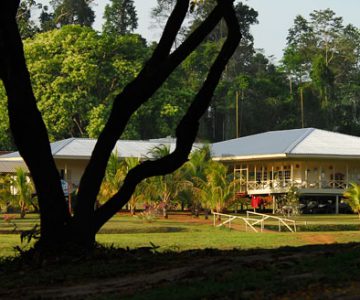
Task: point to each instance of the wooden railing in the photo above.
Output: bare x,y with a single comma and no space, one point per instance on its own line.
285,184
251,222
281,221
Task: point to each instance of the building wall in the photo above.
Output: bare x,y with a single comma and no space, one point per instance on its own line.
71,169
276,176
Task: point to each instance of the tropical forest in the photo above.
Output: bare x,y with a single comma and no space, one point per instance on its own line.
314,84
190,218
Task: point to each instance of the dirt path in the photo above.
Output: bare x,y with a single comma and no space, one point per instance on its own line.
195,269
129,284
316,239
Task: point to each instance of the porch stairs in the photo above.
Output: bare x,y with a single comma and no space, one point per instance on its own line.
253,219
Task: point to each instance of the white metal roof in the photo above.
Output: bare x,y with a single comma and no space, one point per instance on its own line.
11,166
306,142
80,148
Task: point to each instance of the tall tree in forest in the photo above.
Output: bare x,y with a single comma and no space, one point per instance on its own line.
70,108
46,19
73,12
59,230
120,17
27,26
220,123
161,12
320,52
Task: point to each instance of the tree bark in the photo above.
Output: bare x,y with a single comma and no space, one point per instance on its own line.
58,228
135,94
28,129
186,130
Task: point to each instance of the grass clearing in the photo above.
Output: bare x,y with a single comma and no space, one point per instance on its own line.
194,260
182,232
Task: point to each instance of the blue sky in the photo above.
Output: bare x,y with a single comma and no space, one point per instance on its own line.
275,18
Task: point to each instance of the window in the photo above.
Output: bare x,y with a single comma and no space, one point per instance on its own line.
287,174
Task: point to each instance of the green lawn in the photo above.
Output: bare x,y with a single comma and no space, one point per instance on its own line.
258,266
180,232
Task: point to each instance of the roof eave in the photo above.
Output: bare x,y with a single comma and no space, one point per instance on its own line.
285,155
72,157
250,157
327,156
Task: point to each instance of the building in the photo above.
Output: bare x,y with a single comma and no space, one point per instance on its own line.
72,155
319,164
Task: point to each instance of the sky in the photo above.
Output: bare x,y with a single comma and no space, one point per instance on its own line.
275,19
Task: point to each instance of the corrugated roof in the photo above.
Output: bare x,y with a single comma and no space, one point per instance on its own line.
322,142
294,142
55,147
11,166
267,143
58,145
81,148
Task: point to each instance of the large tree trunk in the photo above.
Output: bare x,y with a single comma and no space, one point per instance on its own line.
58,228
28,128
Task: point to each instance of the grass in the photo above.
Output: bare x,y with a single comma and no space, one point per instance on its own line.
180,232
219,263
223,239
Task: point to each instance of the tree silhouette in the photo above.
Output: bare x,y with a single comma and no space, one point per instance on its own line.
120,17
58,228
73,12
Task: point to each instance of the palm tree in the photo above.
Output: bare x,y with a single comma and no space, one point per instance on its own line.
23,190
216,191
159,151
352,195
164,189
194,172
113,178
5,192
128,164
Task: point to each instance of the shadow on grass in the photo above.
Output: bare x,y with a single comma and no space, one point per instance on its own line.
313,272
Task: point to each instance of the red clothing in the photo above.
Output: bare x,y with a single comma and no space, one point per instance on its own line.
255,202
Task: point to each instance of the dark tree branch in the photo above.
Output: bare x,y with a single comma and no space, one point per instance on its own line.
125,104
28,128
186,131
170,32
10,9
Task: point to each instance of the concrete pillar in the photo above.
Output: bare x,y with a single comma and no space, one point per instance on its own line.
337,204
274,204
